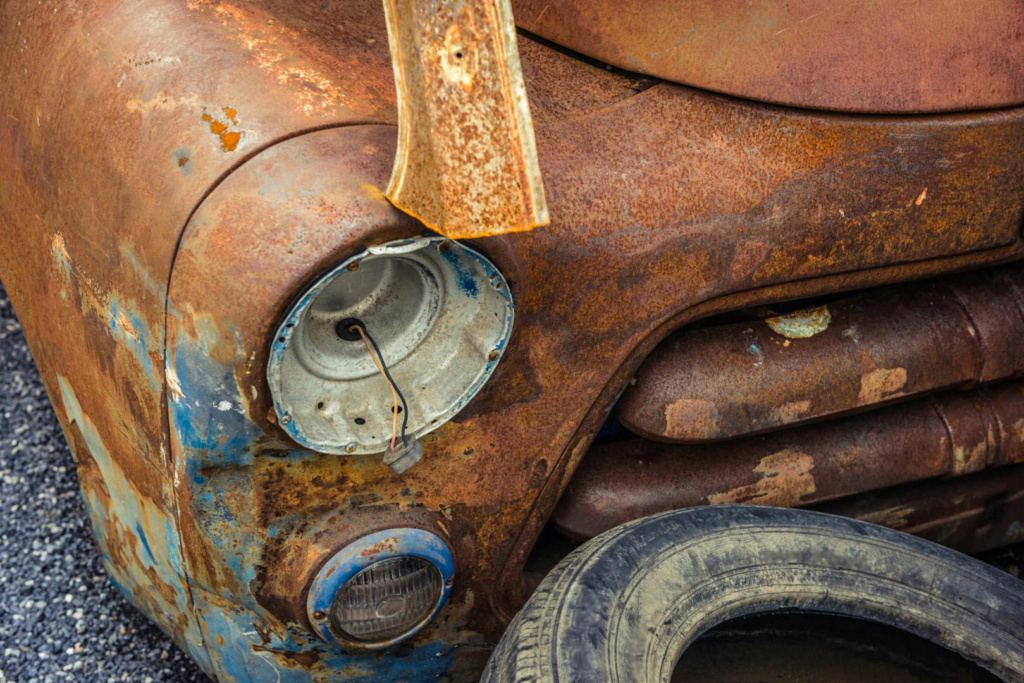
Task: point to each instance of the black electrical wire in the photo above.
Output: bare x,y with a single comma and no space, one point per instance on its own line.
387,373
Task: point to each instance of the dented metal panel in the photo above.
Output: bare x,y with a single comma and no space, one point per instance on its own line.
753,376
950,434
466,162
848,55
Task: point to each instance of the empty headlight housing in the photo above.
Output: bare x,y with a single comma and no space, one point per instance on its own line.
441,314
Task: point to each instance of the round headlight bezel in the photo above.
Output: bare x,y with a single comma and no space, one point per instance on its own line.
357,556
327,394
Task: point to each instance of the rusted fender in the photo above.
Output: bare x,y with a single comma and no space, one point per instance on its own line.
974,513
466,163
892,57
662,232
950,434
754,376
116,118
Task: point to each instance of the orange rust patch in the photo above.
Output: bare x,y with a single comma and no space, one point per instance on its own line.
880,384
894,518
229,139
790,412
786,478
379,547
695,418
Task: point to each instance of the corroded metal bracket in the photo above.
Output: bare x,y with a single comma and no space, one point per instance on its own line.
466,163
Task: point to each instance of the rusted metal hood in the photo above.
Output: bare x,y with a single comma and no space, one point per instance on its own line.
845,55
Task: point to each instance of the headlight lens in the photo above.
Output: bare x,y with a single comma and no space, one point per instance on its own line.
380,589
387,599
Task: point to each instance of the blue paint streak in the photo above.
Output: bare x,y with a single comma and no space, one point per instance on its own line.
688,36
145,541
216,448
464,275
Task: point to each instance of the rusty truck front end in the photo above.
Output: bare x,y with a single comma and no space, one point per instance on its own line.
182,180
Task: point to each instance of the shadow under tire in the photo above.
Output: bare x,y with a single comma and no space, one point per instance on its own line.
624,606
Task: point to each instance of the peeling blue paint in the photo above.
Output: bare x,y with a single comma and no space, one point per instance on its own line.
214,451
128,328
210,437
243,655
118,522
214,445
464,276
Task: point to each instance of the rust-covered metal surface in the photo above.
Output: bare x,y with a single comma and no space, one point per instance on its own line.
840,55
260,136
949,434
973,513
489,478
466,162
754,376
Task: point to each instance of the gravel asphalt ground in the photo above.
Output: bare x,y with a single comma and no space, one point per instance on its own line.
61,619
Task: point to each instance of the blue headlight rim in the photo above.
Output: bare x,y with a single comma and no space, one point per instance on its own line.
353,558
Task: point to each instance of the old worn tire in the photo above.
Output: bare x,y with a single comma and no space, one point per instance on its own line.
624,606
